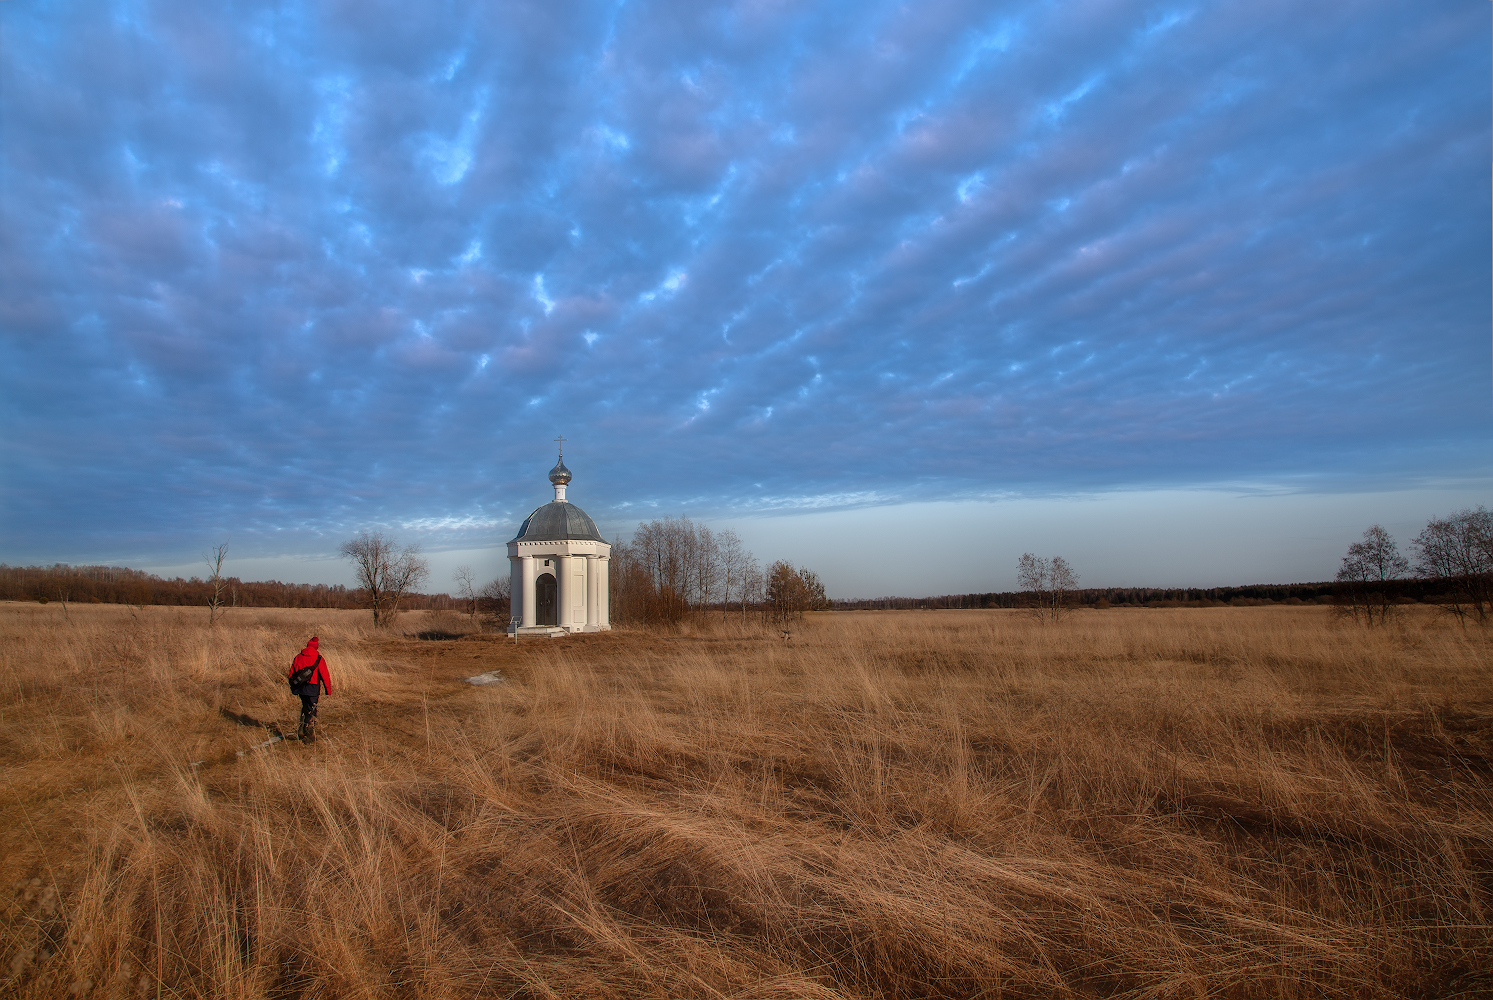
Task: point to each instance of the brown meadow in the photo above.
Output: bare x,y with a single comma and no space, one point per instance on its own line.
1222,802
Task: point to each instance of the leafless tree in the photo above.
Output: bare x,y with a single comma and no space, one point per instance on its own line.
1049,582
1366,569
214,558
733,556
495,603
466,589
674,567
385,572
752,584
707,575
1457,552
658,578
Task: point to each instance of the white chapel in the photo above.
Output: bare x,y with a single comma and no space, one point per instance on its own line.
558,563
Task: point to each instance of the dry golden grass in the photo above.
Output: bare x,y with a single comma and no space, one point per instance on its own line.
1223,802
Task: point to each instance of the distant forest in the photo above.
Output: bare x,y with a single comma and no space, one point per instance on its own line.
118,585
1401,591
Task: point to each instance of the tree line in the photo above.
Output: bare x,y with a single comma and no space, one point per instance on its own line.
121,585
1107,597
673,569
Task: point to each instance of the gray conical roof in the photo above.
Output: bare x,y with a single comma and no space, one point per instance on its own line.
557,521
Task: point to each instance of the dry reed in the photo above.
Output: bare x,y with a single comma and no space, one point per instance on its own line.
1228,802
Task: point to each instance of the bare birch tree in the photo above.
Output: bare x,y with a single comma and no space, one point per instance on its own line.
1062,582
751,584
707,567
732,565
214,558
1050,582
466,589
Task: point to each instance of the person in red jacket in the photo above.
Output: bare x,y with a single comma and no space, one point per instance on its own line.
309,659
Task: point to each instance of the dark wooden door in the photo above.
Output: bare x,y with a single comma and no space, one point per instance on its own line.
544,600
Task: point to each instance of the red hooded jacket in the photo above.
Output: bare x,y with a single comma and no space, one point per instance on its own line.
308,656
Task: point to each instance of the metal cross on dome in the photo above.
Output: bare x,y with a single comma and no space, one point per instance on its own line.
561,439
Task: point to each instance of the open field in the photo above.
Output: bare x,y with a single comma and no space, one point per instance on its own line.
1233,802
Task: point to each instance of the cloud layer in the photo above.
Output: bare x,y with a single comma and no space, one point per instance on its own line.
283,272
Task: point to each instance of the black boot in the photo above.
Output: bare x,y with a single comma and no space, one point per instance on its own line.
308,731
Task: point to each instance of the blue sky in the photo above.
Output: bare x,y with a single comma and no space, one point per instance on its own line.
276,273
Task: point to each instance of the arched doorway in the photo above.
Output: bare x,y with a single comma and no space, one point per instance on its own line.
544,600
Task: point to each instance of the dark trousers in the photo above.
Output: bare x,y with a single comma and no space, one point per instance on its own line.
309,694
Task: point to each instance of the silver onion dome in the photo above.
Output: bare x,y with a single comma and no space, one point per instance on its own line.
559,520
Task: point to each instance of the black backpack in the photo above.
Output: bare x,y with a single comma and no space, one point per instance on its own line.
304,675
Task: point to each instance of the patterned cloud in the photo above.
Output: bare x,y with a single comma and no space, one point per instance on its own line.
284,272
